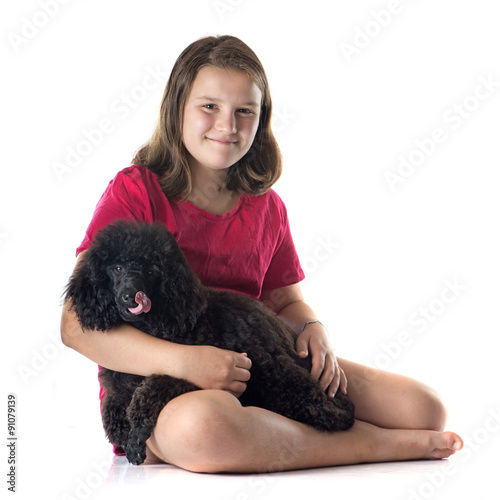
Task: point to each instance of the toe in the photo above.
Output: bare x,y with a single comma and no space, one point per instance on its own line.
447,444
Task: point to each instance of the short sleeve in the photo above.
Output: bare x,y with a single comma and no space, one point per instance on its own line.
126,197
284,268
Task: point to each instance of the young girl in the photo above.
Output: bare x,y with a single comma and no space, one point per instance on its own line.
206,174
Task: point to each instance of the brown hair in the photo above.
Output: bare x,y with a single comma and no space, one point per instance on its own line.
165,153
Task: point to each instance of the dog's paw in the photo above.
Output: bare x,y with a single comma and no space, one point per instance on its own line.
346,407
136,445
330,415
338,414
136,454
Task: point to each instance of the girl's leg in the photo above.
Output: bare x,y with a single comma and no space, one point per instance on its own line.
209,431
392,401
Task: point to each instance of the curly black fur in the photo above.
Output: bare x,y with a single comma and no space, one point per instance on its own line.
128,257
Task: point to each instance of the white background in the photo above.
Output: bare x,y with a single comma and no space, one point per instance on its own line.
355,88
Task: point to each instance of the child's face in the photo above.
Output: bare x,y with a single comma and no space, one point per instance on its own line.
221,117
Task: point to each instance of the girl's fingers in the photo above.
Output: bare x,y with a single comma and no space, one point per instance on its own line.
333,388
243,361
318,365
241,375
328,374
237,389
301,346
343,381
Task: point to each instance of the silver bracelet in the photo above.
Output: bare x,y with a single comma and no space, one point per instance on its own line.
310,322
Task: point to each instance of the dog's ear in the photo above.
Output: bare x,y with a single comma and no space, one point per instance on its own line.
182,296
90,295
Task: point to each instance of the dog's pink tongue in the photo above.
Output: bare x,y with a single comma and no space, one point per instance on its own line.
143,304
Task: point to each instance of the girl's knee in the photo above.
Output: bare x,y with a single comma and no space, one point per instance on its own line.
394,401
199,431
433,412
419,407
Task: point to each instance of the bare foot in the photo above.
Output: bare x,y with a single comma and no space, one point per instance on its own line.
384,445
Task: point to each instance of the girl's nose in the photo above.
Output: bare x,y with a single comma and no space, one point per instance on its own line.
226,123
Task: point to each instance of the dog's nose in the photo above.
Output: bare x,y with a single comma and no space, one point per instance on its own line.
127,298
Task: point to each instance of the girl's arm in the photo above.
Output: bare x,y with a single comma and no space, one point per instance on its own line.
288,302
128,350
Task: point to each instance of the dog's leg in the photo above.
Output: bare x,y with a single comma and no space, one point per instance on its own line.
114,419
148,401
119,391
294,394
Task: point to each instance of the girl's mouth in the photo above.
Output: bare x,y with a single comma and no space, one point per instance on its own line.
221,141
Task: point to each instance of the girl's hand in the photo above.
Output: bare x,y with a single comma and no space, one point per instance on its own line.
213,368
325,368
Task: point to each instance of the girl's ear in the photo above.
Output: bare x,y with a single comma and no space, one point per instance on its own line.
90,294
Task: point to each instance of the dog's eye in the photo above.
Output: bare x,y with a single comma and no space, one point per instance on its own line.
150,272
118,269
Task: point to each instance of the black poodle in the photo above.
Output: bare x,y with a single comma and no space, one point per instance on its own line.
137,273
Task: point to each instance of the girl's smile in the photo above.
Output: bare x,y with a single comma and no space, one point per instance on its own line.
221,141
221,117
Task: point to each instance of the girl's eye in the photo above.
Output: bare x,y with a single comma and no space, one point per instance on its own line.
243,111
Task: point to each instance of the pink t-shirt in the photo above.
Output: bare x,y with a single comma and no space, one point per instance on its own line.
247,250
